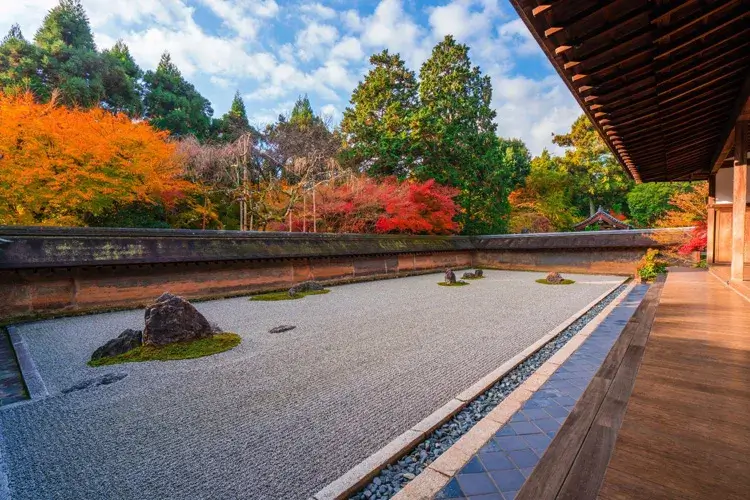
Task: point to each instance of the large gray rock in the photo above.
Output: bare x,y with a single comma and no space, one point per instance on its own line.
554,277
450,276
127,340
174,319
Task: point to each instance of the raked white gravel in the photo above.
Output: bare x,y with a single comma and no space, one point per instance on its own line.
281,415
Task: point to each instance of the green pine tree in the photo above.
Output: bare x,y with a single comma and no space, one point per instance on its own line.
121,78
19,62
303,114
378,125
600,179
69,60
456,136
234,123
173,104
66,25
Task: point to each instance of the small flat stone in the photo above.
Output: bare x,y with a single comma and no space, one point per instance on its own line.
282,328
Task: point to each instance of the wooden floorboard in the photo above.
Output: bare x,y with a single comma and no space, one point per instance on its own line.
686,431
575,462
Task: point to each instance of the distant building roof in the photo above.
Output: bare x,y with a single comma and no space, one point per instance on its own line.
603,220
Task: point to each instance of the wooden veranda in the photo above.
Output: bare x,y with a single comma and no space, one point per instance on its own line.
667,85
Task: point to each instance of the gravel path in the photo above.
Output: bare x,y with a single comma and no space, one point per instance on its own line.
281,415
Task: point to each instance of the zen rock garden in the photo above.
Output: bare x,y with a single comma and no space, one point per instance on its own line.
170,321
290,397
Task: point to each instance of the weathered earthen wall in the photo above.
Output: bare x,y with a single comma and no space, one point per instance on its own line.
47,271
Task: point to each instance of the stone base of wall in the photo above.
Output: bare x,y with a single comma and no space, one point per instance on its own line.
610,261
37,293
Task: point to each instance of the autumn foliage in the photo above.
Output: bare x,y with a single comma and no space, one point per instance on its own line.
365,205
60,165
689,210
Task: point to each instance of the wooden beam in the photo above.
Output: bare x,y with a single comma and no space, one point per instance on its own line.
727,133
711,222
702,85
697,19
739,200
667,14
682,45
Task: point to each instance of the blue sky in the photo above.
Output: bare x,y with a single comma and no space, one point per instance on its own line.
274,50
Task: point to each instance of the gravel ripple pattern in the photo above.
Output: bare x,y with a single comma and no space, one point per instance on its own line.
279,416
394,477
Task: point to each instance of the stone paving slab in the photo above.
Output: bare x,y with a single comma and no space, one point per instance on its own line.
504,462
281,415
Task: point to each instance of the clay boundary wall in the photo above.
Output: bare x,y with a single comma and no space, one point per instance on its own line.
58,271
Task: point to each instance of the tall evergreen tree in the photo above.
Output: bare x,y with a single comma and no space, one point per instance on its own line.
303,114
66,25
173,104
600,180
378,124
234,123
456,136
121,78
19,61
70,62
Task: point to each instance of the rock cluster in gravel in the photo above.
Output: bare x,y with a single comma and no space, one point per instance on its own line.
554,277
305,286
450,276
173,319
127,340
394,477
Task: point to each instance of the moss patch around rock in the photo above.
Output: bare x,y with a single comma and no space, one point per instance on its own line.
563,282
477,278
180,350
457,283
285,295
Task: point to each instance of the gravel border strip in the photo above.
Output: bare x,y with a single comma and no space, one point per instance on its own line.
29,372
379,476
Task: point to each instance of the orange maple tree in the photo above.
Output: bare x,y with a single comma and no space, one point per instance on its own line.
59,165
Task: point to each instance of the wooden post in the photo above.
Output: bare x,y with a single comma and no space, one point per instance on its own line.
739,200
711,222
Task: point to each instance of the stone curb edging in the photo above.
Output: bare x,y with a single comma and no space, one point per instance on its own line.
360,474
427,484
29,372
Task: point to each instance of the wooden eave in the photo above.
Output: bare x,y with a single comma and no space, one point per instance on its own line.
663,81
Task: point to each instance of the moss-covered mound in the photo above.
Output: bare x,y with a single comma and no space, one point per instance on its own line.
179,350
543,281
285,295
457,283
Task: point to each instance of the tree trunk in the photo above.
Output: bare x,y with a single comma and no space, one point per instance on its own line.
592,210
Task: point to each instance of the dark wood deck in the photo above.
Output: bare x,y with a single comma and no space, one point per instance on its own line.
668,420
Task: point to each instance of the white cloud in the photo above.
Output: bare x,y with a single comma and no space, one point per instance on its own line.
390,27
347,48
330,111
457,19
518,36
314,40
318,10
221,82
267,8
351,20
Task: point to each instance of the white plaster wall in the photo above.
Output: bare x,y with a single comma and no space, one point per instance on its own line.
724,181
